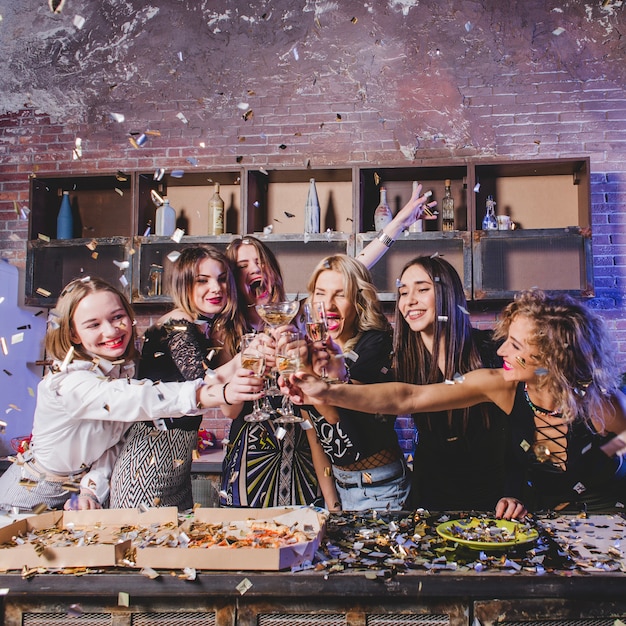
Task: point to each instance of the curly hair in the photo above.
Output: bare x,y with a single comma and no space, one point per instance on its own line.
358,289
228,324
571,351
59,334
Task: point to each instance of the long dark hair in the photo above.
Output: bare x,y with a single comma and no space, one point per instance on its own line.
413,362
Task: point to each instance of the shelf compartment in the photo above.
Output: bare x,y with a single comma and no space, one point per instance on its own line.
52,265
153,251
453,246
273,194
102,206
399,184
506,262
537,194
190,195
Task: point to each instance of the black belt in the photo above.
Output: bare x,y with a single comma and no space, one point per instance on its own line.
374,483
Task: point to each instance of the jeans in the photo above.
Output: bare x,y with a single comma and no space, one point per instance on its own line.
381,488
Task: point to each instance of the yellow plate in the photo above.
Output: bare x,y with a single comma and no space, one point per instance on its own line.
476,533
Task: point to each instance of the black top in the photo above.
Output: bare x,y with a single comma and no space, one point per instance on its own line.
590,481
459,464
359,435
175,352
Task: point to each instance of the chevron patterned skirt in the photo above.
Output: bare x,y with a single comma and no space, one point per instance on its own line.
154,468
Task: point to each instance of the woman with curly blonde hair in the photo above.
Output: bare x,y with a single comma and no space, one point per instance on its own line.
367,462
560,388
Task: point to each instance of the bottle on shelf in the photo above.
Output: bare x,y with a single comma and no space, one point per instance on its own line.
382,214
312,210
216,212
418,225
447,207
165,219
490,221
65,219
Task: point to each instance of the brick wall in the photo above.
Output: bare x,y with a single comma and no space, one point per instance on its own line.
332,83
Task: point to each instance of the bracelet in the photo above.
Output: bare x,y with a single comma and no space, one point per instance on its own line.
385,239
224,394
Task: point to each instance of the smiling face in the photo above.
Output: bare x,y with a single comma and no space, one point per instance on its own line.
416,299
210,287
251,278
341,314
101,325
517,351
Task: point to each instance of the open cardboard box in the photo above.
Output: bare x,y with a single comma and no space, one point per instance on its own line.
229,558
108,552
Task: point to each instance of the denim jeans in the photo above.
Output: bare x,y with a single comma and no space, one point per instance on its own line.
362,490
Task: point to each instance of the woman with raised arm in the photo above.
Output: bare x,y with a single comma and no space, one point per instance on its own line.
560,388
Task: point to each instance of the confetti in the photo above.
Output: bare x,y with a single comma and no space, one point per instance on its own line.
17,338
123,265
3,346
476,187
117,117
177,173
178,235
182,118
244,586
173,256
123,599
558,31
158,175
56,6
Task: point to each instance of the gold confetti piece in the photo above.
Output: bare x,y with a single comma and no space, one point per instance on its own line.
43,292
68,358
249,114
195,455
133,143
328,471
152,460
94,255
3,345
153,133
92,245
376,178
123,599
43,237
178,462
40,508
119,192
244,586
15,407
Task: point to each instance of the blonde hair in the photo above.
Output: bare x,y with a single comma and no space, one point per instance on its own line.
59,334
571,351
358,289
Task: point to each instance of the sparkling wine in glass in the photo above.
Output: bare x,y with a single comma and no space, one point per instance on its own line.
288,362
276,314
316,328
253,359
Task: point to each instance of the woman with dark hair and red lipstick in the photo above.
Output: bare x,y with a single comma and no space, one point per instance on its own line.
558,384
201,332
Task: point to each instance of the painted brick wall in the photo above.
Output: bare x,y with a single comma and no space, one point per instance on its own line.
390,82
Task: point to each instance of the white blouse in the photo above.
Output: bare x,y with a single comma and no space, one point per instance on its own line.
83,412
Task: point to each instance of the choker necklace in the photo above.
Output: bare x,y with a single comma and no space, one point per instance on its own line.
538,409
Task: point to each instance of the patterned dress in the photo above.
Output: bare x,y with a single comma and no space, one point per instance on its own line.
261,470
154,466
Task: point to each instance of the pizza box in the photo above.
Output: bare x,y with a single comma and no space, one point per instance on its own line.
237,521
76,538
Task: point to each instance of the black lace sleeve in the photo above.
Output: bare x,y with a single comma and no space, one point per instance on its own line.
188,347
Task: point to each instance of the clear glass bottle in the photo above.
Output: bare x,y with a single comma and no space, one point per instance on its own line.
216,212
65,219
418,225
382,214
447,207
165,222
312,210
490,222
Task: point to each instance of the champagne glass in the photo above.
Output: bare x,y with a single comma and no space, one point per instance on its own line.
276,314
288,362
253,359
316,328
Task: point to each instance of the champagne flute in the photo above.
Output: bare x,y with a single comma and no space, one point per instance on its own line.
316,327
288,362
253,359
276,314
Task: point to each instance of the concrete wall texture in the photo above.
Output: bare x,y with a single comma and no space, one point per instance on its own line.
390,82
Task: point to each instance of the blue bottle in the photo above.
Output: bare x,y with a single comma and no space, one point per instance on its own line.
65,219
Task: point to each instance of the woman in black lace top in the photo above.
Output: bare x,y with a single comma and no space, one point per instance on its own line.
200,333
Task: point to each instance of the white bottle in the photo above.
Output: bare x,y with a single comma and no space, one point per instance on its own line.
165,219
312,210
382,214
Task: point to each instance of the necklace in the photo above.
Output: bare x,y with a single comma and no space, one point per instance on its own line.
538,409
